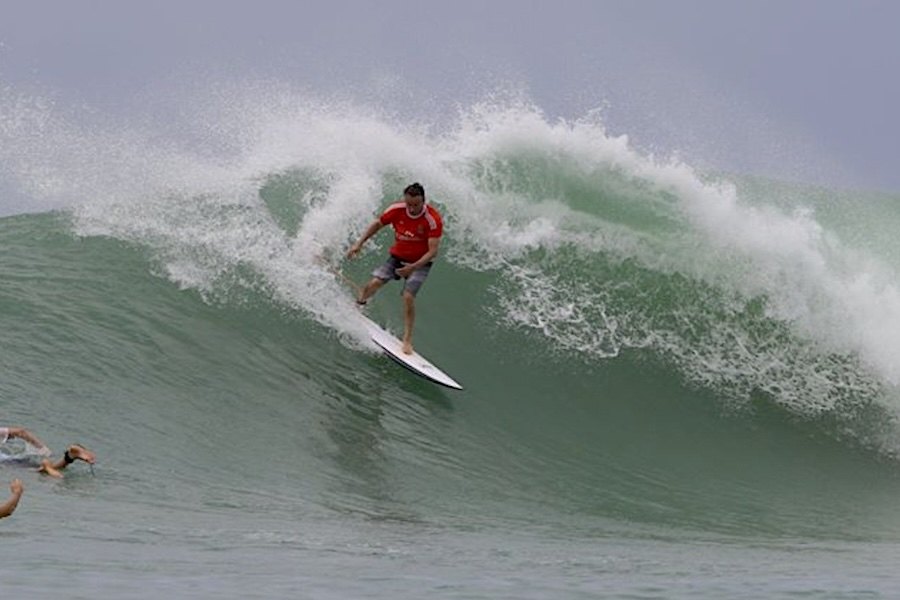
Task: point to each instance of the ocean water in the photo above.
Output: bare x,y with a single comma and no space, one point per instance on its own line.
678,384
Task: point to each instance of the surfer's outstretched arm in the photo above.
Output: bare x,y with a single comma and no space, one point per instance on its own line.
8,507
371,230
73,453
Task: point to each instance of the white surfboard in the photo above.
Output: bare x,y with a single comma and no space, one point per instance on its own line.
415,362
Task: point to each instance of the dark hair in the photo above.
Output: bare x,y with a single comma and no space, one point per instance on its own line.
414,189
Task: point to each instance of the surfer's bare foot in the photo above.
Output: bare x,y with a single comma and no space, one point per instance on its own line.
407,347
47,468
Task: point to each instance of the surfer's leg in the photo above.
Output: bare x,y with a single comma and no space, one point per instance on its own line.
409,318
369,290
410,289
384,273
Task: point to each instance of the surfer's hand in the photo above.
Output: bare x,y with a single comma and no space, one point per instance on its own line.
15,486
405,271
353,251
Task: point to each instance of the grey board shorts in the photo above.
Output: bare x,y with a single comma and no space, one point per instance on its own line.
388,271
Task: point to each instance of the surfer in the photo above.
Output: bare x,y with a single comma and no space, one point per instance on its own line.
417,234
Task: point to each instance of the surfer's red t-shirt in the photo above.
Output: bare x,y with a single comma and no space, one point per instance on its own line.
411,233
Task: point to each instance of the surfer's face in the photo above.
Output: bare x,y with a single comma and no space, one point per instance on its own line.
414,204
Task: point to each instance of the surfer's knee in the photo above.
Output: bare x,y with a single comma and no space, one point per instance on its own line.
370,288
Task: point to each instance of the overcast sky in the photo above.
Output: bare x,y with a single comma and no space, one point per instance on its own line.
803,89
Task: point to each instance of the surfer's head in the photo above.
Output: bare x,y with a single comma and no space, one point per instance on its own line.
414,196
